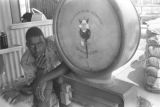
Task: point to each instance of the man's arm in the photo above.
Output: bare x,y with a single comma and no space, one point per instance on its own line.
41,80
60,70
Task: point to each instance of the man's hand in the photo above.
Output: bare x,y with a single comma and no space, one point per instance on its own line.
40,90
39,86
41,61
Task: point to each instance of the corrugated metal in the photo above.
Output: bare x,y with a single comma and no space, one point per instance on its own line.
12,67
5,22
12,60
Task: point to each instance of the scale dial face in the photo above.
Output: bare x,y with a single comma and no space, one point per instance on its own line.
90,35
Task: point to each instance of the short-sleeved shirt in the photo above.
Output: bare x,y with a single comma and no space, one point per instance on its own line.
53,60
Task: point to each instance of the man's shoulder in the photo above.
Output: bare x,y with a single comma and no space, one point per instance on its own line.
50,38
53,49
26,54
51,43
27,57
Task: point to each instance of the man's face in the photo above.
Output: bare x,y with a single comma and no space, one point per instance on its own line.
37,45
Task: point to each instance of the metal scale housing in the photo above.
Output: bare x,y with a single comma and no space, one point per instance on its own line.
94,38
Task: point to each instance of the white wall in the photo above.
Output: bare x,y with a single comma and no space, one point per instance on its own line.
13,69
15,11
5,16
16,35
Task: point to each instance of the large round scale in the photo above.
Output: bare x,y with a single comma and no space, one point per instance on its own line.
95,37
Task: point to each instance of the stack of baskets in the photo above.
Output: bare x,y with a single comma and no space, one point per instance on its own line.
152,73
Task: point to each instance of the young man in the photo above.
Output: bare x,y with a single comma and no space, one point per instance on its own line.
41,65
